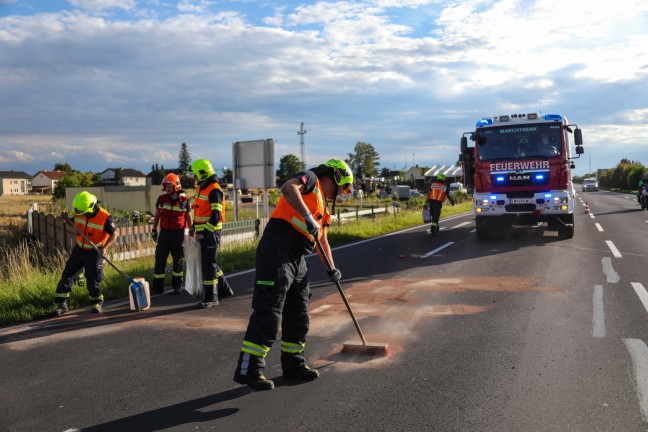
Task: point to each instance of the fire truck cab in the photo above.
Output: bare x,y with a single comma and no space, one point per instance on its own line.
520,167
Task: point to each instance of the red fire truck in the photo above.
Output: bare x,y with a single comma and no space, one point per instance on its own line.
520,167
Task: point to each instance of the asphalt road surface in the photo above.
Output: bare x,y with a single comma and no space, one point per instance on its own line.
523,333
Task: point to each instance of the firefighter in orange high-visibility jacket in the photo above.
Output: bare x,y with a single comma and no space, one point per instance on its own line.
173,216
281,289
436,197
97,224
209,214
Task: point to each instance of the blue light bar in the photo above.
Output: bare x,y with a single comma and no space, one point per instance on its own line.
556,117
493,197
539,176
484,122
499,178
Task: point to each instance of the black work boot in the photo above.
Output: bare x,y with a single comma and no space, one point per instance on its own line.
257,382
61,308
302,373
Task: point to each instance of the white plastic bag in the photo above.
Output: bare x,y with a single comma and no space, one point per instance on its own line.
193,272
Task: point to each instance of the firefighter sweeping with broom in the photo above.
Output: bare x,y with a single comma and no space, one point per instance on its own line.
281,290
98,227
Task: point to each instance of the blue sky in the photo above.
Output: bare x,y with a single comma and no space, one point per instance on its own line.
122,83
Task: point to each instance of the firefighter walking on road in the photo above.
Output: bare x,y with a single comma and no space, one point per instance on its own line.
436,198
97,224
281,290
173,216
209,215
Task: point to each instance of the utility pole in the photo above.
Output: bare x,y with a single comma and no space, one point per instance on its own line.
301,133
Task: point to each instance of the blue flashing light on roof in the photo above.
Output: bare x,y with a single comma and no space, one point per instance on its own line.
556,117
484,122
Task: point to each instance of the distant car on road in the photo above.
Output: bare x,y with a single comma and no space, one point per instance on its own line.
590,184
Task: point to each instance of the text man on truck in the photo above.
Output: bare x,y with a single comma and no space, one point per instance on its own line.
521,168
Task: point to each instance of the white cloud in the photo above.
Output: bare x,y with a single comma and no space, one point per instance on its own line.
100,5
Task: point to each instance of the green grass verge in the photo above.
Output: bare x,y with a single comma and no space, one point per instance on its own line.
28,278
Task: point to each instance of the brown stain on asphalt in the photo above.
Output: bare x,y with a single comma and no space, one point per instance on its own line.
389,311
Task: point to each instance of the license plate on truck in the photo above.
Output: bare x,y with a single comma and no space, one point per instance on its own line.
520,200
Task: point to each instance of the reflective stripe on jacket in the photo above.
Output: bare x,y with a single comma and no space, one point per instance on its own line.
437,192
316,205
173,214
203,209
92,227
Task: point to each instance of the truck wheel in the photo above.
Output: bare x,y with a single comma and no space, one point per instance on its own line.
567,231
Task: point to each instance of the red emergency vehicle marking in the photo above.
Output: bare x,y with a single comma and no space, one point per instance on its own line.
519,165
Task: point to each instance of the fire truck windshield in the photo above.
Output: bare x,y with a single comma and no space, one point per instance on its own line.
519,142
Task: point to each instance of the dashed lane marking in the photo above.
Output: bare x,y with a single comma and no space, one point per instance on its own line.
639,353
641,293
613,248
598,319
440,248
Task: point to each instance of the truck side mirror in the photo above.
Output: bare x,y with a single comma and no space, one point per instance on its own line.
579,150
578,138
464,144
462,157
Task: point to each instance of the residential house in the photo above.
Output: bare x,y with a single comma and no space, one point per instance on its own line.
152,180
132,177
14,183
453,173
44,181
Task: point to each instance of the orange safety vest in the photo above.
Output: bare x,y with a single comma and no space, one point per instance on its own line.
437,192
203,209
315,203
93,228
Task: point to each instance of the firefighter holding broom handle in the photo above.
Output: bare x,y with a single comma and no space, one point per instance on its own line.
281,290
98,226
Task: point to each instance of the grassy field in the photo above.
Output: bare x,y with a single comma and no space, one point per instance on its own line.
28,277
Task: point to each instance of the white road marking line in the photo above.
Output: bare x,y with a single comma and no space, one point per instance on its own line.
639,353
598,318
321,308
461,224
437,250
613,248
608,270
592,216
598,227
641,293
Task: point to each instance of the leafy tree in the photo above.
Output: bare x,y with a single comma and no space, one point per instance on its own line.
365,161
74,178
228,175
61,166
184,161
119,177
289,165
157,174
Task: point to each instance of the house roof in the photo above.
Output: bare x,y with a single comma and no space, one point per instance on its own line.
14,174
54,175
126,172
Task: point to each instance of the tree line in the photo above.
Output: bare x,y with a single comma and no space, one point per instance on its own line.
625,176
364,162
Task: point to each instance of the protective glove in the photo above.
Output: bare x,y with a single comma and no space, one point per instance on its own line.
154,235
311,224
335,275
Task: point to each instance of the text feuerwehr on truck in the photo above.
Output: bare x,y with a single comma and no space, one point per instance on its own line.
520,170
